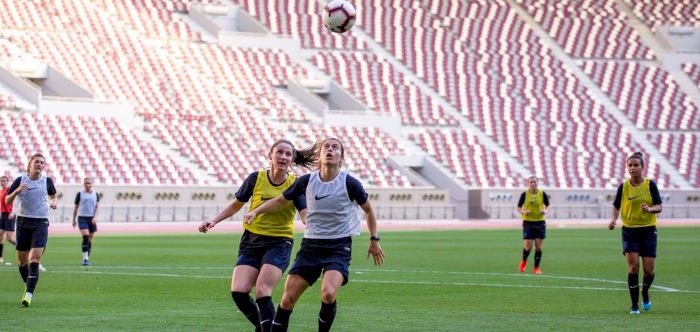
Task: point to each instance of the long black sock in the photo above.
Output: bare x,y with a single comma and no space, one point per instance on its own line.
645,287
89,248
326,316
538,257
281,321
633,283
24,272
33,277
526,254
2,245
248,307
85,243
267,312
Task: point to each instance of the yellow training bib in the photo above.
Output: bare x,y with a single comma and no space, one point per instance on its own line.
534,204
630,203
278,223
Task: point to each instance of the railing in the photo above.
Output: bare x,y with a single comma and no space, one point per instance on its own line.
150,213
585,211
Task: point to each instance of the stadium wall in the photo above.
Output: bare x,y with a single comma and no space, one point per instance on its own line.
26,88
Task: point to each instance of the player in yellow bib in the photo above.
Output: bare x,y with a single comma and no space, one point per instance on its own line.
532,206
266,245
639,201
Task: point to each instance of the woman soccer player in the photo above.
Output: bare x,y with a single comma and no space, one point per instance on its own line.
266,245
639,201
332,196
87,205
7,219
532,206
34,191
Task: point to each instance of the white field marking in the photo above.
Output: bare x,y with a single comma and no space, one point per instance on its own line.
369,281
668,289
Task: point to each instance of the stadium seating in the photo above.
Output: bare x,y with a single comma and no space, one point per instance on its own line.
152,18
588,29
683,151
666,12
7,102
647,94
76,147
466,158
377,84
366,150
693,71
300,19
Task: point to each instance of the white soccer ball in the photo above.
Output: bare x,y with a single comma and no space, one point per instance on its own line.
338,16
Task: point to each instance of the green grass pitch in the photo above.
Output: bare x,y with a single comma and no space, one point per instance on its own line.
455,280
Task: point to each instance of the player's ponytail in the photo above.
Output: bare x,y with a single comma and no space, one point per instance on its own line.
305,158
637,155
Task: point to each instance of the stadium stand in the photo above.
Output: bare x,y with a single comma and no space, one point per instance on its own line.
666,12
587,29
693,71
647,94
682,150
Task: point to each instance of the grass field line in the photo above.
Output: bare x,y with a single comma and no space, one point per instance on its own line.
171,275
667,289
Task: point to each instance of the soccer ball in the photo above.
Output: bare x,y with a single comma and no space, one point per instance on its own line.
338,16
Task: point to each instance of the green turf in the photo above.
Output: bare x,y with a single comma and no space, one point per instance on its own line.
453,280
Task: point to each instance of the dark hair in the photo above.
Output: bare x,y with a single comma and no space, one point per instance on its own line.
36,155
637,155
306,158
5,177
533,177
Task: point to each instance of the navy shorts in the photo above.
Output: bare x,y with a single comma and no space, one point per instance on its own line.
256,250
321,255
534,230
86,223
641,240
28,238
7,224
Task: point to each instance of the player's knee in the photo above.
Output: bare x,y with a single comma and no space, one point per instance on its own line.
241,289
634,269
287,303
262,291
85,239
328,294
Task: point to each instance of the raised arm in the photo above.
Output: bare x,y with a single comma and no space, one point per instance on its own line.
226,213
269,206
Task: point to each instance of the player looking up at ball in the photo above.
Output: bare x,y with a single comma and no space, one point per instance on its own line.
332,196
266,245
639,201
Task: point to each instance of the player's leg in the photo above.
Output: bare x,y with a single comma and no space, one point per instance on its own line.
268,279
39,238
648,266
84,246
293,289
275,262
538,254
92,228
2,245
23,246
526,248
633,279
332,280
242,282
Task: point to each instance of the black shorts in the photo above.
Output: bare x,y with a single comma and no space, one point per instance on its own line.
7,224
641,240
28,238
256,250
321,255
86,223
534,230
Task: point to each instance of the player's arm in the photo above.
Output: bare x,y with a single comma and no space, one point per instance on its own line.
97,211
293,193
302,215
358,194
300,204
76,205
521,202
14,190
51,190
615,213
545,203
655,199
